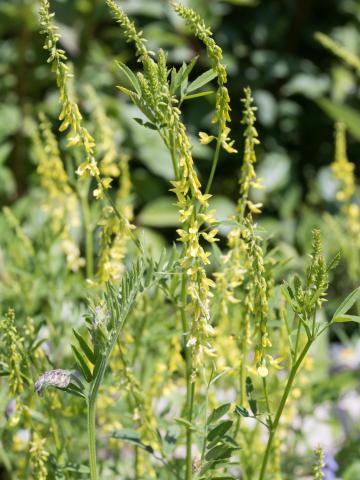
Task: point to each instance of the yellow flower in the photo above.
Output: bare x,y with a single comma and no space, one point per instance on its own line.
205,138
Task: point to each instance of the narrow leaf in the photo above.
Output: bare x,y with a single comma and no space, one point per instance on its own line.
219,453
82,364
131,436
85,347
202,80
347,318
219,430
131,77
196,95
347,303
218,413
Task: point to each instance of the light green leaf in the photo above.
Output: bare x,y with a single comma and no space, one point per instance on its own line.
347,318
196,95
202,80
347,303
131,77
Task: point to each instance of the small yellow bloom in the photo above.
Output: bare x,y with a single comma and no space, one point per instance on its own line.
205,139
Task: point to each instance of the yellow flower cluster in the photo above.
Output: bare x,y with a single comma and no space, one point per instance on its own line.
344,172
38,457
114,235
160,107
214,52
243,277
61,203
13,347
341,167
70,115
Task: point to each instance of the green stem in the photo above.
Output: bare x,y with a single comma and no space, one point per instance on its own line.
281,406
243,349
267,402
92,437
190,386
214,164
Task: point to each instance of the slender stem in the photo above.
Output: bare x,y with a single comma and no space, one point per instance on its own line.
191,390
190,385
214,164
92,438
281,406
242,378
266,395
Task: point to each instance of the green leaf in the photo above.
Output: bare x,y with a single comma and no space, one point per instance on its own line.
253,406
249,386
141,122
334,262
242,411
218,413
347,304
131,77
202,80
196,95
346,318
219,452
131,436
82,364
185,423
219,430
85,347
342,113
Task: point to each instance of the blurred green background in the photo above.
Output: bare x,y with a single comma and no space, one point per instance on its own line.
268,45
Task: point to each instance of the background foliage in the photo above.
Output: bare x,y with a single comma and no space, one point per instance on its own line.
269,45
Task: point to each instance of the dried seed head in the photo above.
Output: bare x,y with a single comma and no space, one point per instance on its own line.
55,378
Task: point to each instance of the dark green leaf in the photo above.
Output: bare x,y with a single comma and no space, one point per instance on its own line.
242,411
219,430
219,452
85,347
249,386
218,413
253,406
150,125
131,436
82,364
